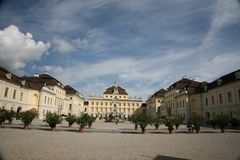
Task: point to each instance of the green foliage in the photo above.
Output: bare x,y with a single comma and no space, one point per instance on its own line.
212,122
91,119
235,122
3,116
157,121
109,118
222,121
10,115
53,119
83,120
133,118
169,122
71,119
28,116
197,121
143,120
178,121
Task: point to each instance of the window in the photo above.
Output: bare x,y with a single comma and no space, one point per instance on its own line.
11,108
14,94
220,98
238,94
213,100
71,98
70,107
6,92
45,100
21,96
206,101
183,103
229,95
85,109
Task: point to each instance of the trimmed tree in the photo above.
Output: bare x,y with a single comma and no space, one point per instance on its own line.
83,121
28,116
212,122
53,119
10,115
169,122
71,119
3,116
197,122
134,120
91,119
222,121
143,120
157,121
178,121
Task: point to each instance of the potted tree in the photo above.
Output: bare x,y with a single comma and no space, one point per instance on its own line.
197,122
3,116
157,121
235,122
169,122
212,122
143,120
10,115
71,119
134,120
178,121
83,121
53,119
28,116
222,121
91,119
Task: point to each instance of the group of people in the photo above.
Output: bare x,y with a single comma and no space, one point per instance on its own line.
190,126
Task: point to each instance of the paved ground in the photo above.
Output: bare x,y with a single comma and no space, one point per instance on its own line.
107,141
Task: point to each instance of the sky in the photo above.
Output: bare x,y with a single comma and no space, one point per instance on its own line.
142,45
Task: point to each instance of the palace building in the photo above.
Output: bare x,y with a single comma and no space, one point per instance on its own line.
42,92
115,100
186,98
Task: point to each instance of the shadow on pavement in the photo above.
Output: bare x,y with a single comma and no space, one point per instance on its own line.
160,157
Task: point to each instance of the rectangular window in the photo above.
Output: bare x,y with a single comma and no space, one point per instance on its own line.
239,94
45,100
183,103
220,98
21,96
70,106
14,94
206,101
229,94
213,100
6,92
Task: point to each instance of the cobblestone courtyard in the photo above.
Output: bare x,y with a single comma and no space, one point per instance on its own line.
109,141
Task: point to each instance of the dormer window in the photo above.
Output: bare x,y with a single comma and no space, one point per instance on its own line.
23,82
237,74
205,88
219,82
9,75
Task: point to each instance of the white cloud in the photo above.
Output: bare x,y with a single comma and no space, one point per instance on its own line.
225,13
62,45
17,48
93,41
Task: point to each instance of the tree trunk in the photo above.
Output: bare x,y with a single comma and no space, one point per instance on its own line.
53,128
144,131
197,130
223,130
170,131
26,126
136,126
10,122
81,130
70,125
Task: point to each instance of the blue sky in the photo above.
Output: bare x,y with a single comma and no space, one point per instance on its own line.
143,45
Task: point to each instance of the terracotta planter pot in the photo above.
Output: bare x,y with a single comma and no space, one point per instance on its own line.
81,130
170,131
26,126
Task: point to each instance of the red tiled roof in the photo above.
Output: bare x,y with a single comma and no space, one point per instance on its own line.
116,88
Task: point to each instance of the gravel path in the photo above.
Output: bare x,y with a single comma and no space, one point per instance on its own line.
107,141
